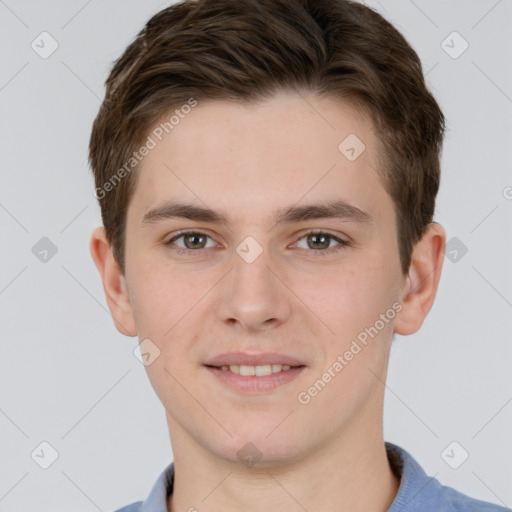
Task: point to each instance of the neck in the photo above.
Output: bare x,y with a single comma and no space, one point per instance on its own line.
348,474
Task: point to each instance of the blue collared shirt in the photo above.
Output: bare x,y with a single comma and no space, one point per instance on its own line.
417,493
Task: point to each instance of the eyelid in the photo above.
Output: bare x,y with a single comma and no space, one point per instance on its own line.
336,236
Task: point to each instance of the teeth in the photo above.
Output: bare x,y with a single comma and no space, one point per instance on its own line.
247,370
259,371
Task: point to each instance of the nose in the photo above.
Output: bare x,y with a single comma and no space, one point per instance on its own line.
253,298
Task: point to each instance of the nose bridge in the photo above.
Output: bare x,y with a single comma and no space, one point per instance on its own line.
253,296
251,274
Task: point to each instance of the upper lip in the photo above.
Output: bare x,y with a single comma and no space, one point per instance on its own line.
259,359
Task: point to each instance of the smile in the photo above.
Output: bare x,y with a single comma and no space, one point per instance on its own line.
259,371
258,379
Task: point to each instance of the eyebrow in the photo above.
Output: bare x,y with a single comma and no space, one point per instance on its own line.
335,209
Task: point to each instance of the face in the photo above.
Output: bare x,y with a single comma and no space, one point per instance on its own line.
255,243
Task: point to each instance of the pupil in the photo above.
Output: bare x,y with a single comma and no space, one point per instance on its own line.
324,240
197,240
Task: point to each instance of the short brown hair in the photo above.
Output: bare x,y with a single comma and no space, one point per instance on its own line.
248,49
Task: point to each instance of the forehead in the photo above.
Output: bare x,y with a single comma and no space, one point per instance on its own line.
245,156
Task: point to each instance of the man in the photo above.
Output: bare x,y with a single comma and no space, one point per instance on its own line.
267,173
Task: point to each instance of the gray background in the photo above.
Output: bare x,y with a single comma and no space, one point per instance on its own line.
69,378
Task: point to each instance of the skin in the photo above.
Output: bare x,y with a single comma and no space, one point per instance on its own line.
249,161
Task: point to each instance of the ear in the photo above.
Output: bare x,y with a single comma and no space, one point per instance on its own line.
113,283
421,283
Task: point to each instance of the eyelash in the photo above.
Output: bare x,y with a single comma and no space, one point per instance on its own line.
317,252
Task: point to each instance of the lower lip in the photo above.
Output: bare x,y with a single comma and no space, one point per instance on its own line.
253,383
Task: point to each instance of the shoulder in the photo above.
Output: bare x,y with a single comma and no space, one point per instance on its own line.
156,501
459,502
133,507
421,493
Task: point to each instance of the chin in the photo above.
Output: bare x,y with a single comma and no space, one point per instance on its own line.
261,448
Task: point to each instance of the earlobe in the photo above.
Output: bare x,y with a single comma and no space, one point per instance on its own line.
422,281
114,284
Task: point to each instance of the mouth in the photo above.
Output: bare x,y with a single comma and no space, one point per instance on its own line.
254,373
258,371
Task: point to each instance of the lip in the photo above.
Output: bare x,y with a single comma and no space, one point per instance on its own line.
254,384
255,359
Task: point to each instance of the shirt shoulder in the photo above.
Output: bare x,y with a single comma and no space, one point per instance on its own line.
157,499
133,507
447,499
421,493
459,502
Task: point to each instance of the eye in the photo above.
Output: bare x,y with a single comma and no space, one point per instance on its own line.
321,242
318,242
190,241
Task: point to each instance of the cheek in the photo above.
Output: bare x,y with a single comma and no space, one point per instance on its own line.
349,300
351,304
358,307
161,296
